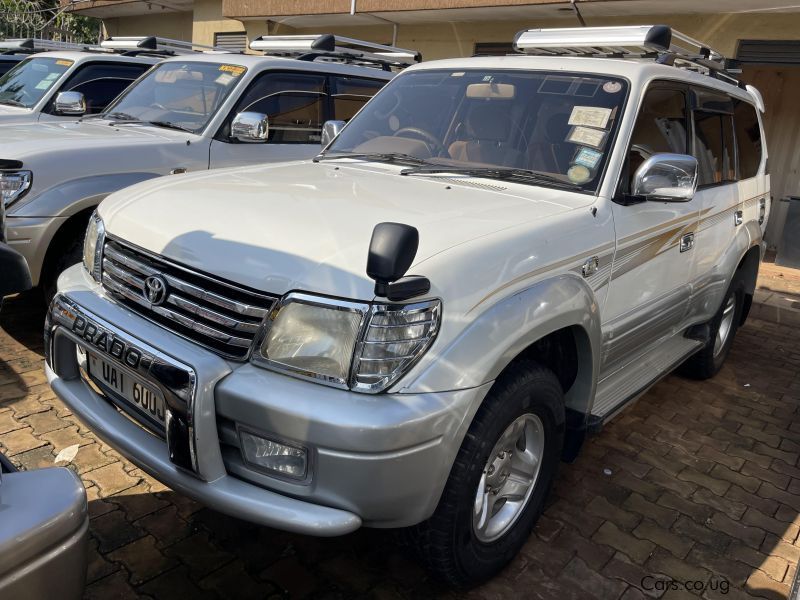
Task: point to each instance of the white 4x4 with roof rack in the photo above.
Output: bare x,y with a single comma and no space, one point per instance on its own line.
193,111
58,81
493,258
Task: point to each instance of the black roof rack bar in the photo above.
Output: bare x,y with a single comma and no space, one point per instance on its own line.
335,48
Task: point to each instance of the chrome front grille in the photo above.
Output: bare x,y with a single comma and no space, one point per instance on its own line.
218,315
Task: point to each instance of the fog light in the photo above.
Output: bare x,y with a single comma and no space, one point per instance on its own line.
264,453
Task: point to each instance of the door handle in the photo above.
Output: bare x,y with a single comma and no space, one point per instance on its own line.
687,242
738,218
590,266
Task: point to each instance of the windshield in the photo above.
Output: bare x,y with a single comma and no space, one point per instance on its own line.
184,95
28,82
558,126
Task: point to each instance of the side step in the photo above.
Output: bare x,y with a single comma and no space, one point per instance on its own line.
635,378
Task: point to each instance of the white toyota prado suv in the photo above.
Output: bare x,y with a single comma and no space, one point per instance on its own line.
492,259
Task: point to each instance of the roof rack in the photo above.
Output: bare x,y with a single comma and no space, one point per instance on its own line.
336,48
30,45
157,45
658,42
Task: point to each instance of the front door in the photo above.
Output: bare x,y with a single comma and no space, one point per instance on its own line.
296,105
649,291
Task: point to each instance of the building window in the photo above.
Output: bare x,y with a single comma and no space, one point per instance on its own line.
235,42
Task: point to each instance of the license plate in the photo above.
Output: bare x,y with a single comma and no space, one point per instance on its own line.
144,399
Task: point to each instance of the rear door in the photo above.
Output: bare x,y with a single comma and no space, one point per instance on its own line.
719,197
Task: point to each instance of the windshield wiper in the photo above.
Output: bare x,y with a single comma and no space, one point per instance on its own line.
11,102
114,116
169,125
507,173
374,156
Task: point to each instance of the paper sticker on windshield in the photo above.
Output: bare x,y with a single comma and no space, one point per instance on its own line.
612,87
590,116
234,70
64,63
587,157
224,79
579,174
586,136
44,84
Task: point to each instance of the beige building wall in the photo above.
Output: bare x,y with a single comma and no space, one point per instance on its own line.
448,39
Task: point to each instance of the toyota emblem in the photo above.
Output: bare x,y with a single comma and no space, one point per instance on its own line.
155,290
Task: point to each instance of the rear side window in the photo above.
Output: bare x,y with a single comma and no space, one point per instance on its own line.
294,103
662,126
714,148
748,138
101,83
350,94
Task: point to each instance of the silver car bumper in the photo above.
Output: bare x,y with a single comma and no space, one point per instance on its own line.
378,460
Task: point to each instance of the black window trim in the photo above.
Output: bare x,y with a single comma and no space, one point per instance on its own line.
222,134
696,108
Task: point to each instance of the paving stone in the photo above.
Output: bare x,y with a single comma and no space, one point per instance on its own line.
136,501
600,507
199,553
19,440
786,531
661,515
761,585
690,508
611,535
113,531
577,573
729,507
752,536
677,545
774,566
142,559
178,584
111,479
114,586
717,486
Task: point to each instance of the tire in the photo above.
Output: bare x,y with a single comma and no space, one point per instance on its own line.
709,359
69,256
463,549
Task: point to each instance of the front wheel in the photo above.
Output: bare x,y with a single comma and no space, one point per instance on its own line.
709,359
500,479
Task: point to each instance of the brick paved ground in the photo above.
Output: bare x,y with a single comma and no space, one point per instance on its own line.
696,481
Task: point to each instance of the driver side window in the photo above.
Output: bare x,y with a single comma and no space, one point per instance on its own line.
294,102
662,126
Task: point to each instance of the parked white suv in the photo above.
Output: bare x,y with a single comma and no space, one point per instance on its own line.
63,81
495,256
191,112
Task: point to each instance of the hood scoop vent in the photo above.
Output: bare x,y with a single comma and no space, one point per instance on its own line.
467,183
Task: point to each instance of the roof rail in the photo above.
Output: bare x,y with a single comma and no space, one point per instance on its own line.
157,45
30,45
658,42
336,48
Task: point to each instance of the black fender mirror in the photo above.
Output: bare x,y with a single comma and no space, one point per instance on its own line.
392,250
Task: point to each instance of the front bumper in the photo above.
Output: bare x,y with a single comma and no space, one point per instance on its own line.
16,276
378,460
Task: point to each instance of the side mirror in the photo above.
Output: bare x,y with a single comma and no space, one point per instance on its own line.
666,177
70,103
391,251
330,130
250,128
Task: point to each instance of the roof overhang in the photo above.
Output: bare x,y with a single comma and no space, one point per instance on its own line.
321,13
109,9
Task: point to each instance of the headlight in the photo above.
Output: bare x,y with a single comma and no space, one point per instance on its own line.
364,347
14,185
93,247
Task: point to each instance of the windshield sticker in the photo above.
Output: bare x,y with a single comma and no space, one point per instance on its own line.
234,70
586,136
51,76
44,84
64,63
590,116
457,74
587,157
612,87
579,174
224,79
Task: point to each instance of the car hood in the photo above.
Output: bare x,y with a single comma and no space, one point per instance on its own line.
22,141
307,226
15,114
